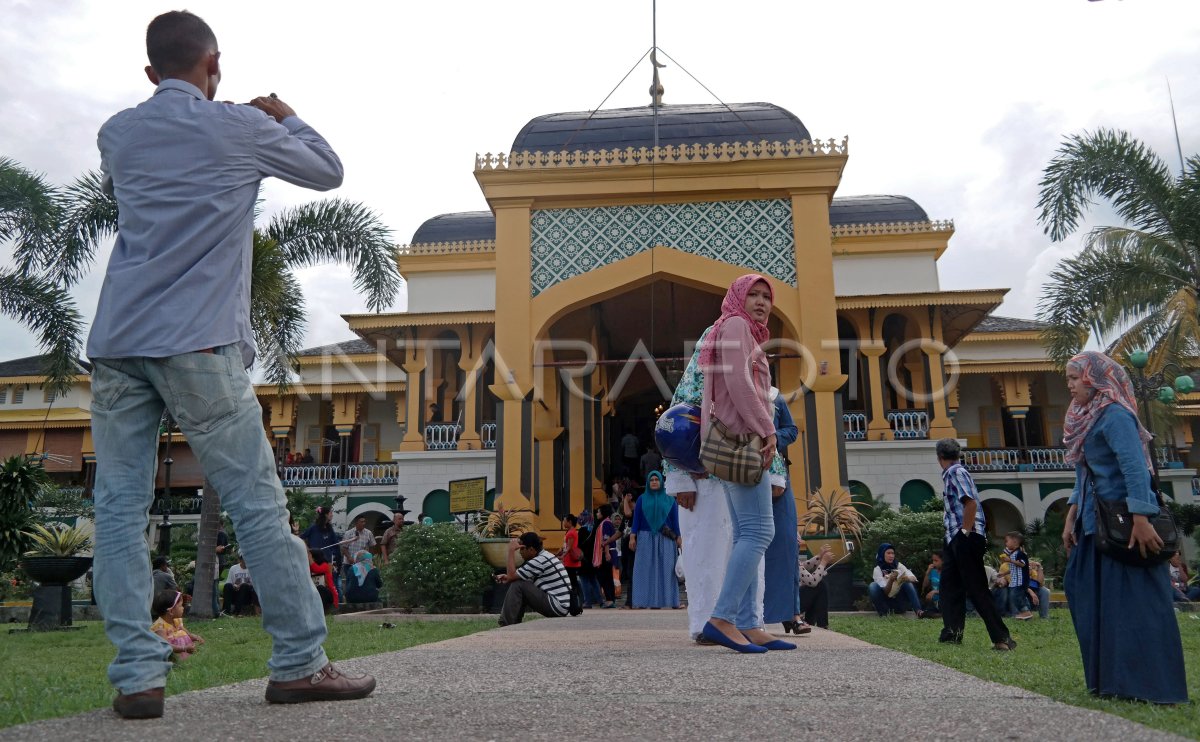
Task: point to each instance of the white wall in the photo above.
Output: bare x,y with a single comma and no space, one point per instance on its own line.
452,291
421,472
79,395
336,369
858,275
1000,350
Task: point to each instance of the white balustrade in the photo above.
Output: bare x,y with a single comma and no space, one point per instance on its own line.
909,424
991,459
441,436
1048,459
854,424
487,434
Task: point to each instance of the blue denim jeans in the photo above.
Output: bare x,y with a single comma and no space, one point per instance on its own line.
210,396
906,599
753,528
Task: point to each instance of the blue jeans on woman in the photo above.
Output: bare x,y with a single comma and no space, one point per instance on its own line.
210,396
753,528
906,599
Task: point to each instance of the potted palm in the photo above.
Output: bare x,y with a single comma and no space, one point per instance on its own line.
53,563
832,518
494,530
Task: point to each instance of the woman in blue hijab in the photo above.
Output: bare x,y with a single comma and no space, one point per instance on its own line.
655,538
893,586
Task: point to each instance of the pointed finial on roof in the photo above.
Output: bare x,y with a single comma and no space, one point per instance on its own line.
656,88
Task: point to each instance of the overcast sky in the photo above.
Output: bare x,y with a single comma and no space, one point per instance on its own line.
956,104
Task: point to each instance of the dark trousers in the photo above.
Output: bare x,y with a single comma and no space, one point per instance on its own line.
963,577
604,573
576,588
524,594
627,559
814,605
239,600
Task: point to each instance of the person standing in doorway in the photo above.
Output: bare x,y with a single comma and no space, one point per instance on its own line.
630,445
962,560
172,329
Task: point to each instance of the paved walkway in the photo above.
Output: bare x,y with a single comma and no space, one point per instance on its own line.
566,679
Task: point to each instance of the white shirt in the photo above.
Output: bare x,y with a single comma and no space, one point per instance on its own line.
881,581
238,575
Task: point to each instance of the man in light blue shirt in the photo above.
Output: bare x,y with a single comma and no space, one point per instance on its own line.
173,329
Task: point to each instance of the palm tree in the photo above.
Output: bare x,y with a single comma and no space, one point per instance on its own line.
31,218
1136,286
317,233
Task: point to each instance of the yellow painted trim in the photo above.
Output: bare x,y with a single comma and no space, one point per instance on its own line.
359,322
63,417
934,240
39,379
438,263
351,358
993,366
935,298
690,154
318,390
978,336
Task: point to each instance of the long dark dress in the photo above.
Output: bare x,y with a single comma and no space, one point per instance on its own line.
780,582
1124,616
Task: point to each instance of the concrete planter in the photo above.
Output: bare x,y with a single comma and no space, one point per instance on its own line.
495,552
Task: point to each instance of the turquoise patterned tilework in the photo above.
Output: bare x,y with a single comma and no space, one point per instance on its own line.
756,235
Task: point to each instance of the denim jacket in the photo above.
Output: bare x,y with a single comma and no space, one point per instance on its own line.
1114,452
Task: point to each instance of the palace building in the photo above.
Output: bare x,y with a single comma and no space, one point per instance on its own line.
542,329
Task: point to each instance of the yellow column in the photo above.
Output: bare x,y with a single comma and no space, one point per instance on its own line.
470,342
818,332
941,426
414,417
878,427
514,349
283,417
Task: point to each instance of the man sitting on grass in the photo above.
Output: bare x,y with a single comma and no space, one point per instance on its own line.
541,583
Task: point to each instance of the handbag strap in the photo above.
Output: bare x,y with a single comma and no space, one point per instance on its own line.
1158,495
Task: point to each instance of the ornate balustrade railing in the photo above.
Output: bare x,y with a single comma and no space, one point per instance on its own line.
441,436
487,434
854,425
176,505
991,459
909,424
355,474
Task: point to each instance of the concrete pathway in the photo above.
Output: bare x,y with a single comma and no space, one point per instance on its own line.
623,675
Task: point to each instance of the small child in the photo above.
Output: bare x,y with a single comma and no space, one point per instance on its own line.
168,610
1018,574
932,586
1038,594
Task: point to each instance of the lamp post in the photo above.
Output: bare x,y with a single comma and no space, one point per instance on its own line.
1144,384
164,528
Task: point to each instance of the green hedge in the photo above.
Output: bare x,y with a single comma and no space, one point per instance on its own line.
915,536
438,568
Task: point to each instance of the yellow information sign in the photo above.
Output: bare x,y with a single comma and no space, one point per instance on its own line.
466,495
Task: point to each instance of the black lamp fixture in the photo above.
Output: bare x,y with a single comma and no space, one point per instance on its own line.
164,528
1144,385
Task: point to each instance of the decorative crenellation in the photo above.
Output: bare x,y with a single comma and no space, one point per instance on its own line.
664,155
469,247
868,230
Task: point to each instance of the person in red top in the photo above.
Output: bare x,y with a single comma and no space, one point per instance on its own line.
570,554
322,575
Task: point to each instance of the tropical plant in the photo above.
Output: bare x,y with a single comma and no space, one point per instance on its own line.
503,523
438,568
20,482
303,506
1134,286
63,541
33,223
832,512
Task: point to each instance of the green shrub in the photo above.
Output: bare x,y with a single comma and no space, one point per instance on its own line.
915,536
20,482
437,567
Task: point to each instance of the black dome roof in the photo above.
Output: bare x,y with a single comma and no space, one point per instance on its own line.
463,226
618,128
875,210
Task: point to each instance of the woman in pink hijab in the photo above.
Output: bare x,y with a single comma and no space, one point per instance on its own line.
737,383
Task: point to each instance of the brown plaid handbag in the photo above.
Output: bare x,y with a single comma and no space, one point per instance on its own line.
732,457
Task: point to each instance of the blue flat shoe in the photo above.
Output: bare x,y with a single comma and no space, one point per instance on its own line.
713,633
776,645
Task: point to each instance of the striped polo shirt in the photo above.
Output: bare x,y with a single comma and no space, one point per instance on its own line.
545,571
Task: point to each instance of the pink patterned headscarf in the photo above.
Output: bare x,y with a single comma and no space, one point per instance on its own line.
1111,385
734,305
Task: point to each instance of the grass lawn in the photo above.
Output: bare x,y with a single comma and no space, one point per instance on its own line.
1046,661
60,673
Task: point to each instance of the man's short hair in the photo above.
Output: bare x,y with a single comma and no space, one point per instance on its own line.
531,540
948,449
1020,537
161,562
176,41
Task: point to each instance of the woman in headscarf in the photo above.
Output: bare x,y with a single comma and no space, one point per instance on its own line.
364,583
893,586
655,537
1123,615
737,381
604,554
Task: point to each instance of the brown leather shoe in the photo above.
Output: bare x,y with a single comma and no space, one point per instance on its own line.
145,705
326,684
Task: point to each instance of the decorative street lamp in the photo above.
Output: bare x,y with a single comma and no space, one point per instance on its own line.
1144,385
164,528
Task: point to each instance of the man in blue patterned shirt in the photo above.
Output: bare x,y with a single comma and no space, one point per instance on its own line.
962,560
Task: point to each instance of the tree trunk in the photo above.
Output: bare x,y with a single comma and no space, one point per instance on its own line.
206,552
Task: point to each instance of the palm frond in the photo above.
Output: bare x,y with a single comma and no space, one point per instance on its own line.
340,231
47,310
90,216
30,210
1114,166
276,310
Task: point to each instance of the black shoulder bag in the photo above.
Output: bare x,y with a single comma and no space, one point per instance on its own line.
1114,524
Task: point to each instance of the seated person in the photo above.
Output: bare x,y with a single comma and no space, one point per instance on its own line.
1039,594
541,583
894,585
322,577
164,578
813,597
238,594
167,610
1180,578
998,584
931,586
364,582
